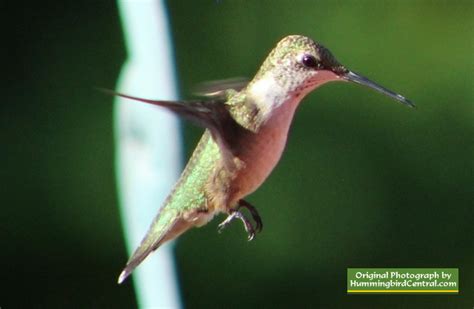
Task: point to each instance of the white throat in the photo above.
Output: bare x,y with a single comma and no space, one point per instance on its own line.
269,94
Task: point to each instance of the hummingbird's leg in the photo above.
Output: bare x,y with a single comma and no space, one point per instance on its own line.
248,226
237,214
255,215
226,222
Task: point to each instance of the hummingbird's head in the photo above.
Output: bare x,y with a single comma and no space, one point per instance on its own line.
299,65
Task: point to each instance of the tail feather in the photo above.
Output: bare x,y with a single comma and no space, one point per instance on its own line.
159,232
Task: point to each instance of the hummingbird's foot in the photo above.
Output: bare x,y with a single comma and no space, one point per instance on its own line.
255,215
237,214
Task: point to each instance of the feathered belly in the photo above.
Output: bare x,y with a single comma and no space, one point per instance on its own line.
261,153
260,158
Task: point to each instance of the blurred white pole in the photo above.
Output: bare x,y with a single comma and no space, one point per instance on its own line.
148,148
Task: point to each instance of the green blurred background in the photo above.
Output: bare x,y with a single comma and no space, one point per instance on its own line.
364,182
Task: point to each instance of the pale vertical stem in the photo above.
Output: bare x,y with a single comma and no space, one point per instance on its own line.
148,148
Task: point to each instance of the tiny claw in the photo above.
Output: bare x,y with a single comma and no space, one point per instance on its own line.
248,226
237,214
255,215
251,236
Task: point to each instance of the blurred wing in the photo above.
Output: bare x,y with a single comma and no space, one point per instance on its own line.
218,88
212,115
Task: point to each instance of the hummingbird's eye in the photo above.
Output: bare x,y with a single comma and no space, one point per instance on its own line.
309,61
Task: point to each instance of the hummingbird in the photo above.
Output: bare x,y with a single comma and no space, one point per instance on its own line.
246,128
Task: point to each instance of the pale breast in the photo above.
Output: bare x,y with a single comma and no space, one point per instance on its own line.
263,151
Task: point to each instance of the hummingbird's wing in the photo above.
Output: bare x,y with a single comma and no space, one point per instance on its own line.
220,88
213,115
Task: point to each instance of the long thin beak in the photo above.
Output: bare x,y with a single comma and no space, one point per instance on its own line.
359,79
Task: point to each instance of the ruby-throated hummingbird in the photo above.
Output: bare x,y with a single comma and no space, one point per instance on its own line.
246,132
